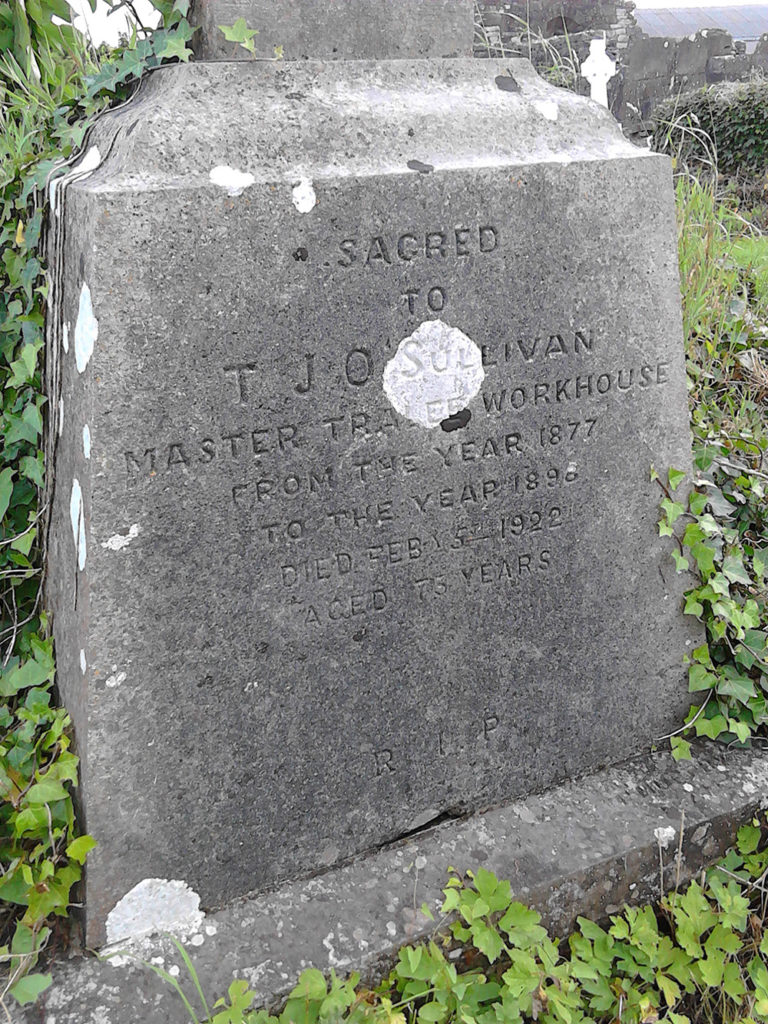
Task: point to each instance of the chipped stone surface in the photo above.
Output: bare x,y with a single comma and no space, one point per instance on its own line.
155,906
583,848
234,182
485,605
435,372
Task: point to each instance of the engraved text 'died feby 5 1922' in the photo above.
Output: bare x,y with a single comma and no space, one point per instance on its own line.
435,372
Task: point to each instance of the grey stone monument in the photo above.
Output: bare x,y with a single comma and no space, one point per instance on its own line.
357,369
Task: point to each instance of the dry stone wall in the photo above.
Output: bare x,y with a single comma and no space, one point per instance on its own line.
650,68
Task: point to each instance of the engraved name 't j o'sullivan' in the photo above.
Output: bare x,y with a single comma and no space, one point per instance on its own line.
434,374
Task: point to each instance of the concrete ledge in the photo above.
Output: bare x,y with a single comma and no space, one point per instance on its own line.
582,848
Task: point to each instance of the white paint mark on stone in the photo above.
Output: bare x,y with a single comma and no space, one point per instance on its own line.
304,197
65,338
229,178
86,166
86,329
87,441
155,906
547,108
664,835
115,679
122,540
434,374
83,662
77,518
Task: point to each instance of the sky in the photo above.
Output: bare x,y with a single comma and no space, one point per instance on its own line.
107,29
641,4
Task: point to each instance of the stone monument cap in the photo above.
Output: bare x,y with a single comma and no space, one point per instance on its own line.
336,29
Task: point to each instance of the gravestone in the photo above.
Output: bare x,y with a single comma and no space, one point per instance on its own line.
357,372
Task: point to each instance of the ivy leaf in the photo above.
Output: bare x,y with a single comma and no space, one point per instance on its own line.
175,47
681,749
733,568
6,490
675,477
673,509
681,562
80,848
28,988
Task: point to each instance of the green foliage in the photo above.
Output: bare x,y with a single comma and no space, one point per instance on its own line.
240,33
701,955
721,528
52,85
726,125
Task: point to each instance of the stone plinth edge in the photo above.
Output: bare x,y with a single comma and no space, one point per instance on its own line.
583,848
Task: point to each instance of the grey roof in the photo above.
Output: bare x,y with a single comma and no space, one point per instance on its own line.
742,21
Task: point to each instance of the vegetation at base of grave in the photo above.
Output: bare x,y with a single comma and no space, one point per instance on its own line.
723,126
721,529
52,85
699,956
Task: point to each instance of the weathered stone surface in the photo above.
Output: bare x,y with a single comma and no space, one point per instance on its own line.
582,848
306,624
336,29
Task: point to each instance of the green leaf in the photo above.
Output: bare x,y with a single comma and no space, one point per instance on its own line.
175,48
673,509
733,568
28,988
6,489
681,562
79,848
681,749
239,32
675,477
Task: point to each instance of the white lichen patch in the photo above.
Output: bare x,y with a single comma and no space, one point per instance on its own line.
86,330
65,338
435,373
77,519
547,108
83,662
122,540
115,679
155,906
87,441
304,197
235,182
664,835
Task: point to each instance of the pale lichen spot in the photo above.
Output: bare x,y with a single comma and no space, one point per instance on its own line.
434,374
86,330
664,835
122,540
115,679
65,338
547,108
304,196
229,178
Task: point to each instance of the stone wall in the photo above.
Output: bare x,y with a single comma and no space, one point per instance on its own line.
649,68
